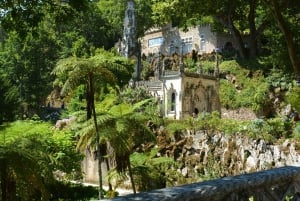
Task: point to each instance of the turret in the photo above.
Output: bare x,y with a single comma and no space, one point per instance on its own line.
129,33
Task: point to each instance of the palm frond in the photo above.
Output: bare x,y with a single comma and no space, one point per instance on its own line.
64,65
138,159
138,105
104,75
28,164
106,103
121,109
115,177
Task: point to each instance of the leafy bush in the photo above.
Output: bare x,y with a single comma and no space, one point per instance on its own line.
208,121
254,96
293,97
267,129
134,95
207,65
174,126
153,171
232,67
228,95
66,191
32,151
296,131
280,127
249,89
278,79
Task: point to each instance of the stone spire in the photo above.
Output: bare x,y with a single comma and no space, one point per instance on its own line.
129,34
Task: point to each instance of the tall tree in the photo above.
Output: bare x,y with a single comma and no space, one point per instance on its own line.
236,16
27,63
21,15
286,14
31,49
10,98
92,72
123,128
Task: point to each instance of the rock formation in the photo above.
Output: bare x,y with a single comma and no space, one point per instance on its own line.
203,153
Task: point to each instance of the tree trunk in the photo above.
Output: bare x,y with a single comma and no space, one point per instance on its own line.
131,176
227,22
291,46
108,168
88,107
99,157
89,100
3,181
11,189
252,27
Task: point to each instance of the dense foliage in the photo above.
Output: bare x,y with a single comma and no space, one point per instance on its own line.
30,151
67,47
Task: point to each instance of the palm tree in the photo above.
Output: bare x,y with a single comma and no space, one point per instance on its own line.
123,127
92,72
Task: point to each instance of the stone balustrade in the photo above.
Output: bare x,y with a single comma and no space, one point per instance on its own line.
281,183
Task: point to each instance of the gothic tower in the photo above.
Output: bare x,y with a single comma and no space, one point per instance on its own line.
129,33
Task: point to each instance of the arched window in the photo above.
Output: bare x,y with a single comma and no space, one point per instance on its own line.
173,101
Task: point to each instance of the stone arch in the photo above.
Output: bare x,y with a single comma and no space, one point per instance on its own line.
228,45
199,99
196,111
171,100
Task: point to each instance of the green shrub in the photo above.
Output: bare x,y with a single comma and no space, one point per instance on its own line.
207,65
228,95
296,131
66,191
249,89
280,127
293,97
208,121
233,67
278,79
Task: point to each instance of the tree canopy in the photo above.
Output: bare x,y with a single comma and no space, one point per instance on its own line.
242,19
69,45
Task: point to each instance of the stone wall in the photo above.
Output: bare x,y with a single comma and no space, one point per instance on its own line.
206,153
216,154
276,184
172,36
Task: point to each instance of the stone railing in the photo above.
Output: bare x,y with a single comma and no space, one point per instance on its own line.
154,85
275,184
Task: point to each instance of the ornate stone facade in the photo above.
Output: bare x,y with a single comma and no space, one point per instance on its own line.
182,94
168,40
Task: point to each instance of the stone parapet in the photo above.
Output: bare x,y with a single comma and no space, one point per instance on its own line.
274,184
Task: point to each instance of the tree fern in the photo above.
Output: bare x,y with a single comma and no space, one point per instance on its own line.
31,156
93,72
159,171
